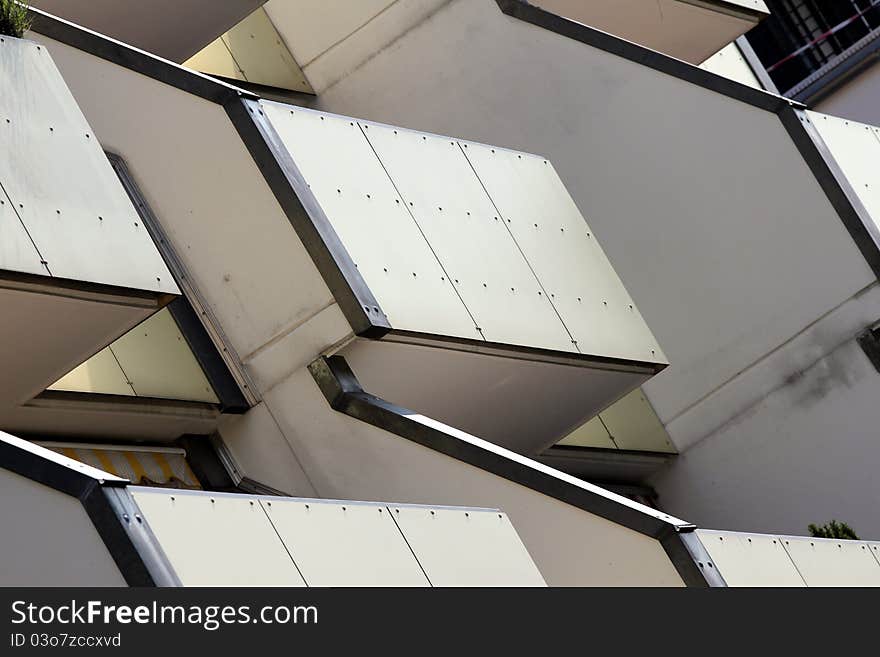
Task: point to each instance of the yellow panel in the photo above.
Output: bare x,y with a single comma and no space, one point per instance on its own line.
464,230
216,539
344,544
750,559
634,425
100,374
856,147
564,253
262,56
590,434
467,547
368,215
159,363
829,562
215,59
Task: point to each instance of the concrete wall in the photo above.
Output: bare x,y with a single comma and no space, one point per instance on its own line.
31,554
858,99
716,227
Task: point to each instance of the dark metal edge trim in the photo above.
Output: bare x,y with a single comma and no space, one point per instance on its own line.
305,214
756,65
835,184
225,387
522,10
538,354
128,537
214,366
691,560
57,476
344,393
132,58
134,548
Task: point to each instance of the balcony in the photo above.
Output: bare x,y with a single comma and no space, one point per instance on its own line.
754,560
77,267
479,290
117,534
173,29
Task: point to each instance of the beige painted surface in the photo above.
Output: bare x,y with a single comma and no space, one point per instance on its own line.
330,38
35,518
686,30
467,547
730,63
252,51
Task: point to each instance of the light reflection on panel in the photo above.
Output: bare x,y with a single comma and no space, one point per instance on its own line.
750,559
564,253
830,562
261,54
57,176
100,374
463,229
217,540
856,147
590,434
634,425
461,547
151,360
159,363
366,212
338,544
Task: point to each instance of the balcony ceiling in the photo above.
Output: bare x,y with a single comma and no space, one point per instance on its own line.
691,30
173,29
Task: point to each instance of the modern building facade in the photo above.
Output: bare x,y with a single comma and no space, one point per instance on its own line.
311,335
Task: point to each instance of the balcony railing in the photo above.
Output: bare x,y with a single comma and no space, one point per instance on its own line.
770,560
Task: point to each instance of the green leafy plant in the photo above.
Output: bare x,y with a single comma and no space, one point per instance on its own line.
833,529
14,18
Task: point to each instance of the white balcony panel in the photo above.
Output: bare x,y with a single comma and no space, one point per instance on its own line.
856,147
17,252
564,253
344,544
467,547
100,374
60,183
730,63
366,212
750,559
463,229
687,29
159,363
217,540
174,29
830,562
